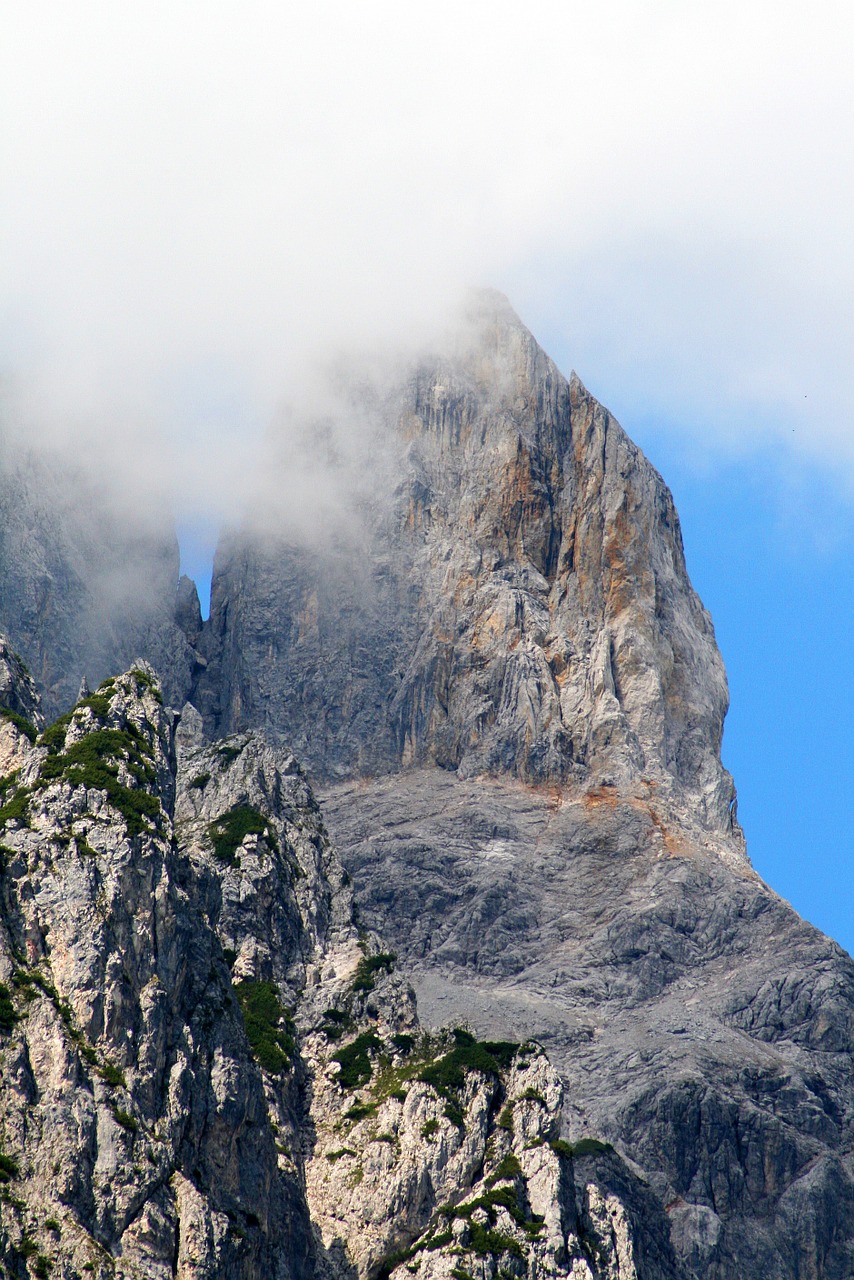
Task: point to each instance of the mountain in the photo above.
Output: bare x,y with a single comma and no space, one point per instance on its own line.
507,698
512,703
518,604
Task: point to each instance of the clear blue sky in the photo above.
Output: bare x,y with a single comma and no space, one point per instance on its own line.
771,559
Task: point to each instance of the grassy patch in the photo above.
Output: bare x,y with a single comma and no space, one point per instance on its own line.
332,1156
54,735
369,967
228,754
484,1239
112,1076
532,1095
8,1168
505,1120
229,831
429,1128
146,684
361,1111
200,782
454,1112
353,1061
508,1168
126,1120
336,1022
587,1147
8,1016
268,1025
24,726
448,1074
438,1060
93,762
17,809
98,704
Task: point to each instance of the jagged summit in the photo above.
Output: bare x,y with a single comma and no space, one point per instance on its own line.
519,603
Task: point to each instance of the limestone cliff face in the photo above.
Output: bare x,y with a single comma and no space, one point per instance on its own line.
191,1021
519,604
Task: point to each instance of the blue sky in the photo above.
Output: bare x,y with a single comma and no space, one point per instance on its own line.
773,566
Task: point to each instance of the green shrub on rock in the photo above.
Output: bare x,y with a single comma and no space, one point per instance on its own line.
228,832
268,1025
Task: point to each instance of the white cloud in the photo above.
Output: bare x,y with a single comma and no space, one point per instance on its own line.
198,198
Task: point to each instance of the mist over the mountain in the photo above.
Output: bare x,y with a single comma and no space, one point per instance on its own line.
203,207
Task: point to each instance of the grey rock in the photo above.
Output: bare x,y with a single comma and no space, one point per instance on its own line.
18,692
517,603
506,659
698,1024
496,666
131,1110
179,961
188,610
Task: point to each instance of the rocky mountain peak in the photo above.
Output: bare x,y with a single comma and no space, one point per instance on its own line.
517,603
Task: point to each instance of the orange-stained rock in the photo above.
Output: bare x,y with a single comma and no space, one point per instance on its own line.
515,600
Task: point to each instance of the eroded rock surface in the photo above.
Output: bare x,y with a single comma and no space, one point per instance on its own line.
188,1011
518,604
697,1022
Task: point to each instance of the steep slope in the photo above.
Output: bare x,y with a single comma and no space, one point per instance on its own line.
513,701
697,1023
518,604
192,1025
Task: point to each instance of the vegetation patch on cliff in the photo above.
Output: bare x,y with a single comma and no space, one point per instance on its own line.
8,1014
16,809
354,1063
269,1028
24,726
228,832
93,762
369,967
447,1074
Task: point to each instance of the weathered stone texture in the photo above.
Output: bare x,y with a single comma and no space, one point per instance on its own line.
697,1023
179,963
519,604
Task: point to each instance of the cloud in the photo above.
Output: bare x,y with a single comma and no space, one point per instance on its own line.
200,200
